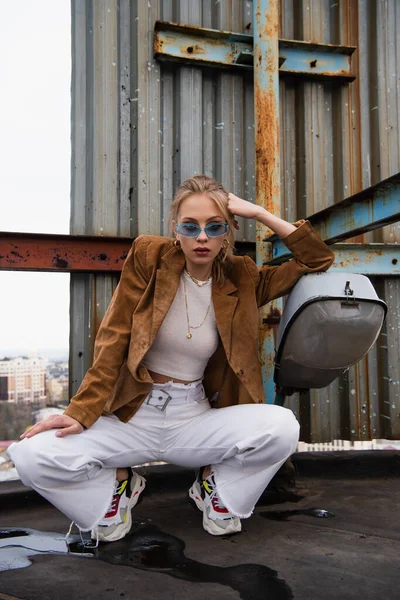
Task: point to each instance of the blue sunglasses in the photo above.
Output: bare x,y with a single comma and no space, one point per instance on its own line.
192,230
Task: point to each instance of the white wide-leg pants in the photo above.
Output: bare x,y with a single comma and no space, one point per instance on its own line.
245,445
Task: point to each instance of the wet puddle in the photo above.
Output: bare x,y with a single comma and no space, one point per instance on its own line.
283,515
146,548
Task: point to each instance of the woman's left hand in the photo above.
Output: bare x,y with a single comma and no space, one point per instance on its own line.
242,208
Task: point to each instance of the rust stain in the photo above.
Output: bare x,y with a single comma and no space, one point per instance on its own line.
267,149
354,93
266,110
268,25
259,236
158,44
60,263
192,50
36,252
273,318
170,26
270,326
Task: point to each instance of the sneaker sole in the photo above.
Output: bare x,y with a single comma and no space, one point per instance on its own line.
123,528
208,524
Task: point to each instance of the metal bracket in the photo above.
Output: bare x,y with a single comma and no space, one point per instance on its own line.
349,293
199,46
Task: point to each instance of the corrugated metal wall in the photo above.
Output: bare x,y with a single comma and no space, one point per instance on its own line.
336,141
140,127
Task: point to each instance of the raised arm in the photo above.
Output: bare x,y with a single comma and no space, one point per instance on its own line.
248,210
310,253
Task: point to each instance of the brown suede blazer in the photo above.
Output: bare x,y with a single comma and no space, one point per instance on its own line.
118,382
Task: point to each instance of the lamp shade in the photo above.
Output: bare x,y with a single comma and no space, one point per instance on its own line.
329,323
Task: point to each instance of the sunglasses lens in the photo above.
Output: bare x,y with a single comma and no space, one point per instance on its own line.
188,229
216,229
192,230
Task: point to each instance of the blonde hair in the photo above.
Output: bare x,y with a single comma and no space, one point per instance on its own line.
201,184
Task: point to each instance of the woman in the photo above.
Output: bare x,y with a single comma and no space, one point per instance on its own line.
176,375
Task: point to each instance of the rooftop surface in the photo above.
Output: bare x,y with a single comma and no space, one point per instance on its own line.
284,551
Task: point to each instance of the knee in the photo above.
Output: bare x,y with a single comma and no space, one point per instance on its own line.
280,427
287,430
293,431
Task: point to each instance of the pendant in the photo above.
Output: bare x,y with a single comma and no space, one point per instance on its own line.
189,336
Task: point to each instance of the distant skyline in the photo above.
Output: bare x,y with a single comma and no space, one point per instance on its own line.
55,354
35,62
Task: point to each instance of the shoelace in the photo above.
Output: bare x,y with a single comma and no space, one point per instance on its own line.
88,544
215,499
85,543
114,500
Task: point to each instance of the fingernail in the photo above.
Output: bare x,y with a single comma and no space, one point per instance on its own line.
58,434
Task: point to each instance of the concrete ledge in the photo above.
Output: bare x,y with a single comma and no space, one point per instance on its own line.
169,478
345,464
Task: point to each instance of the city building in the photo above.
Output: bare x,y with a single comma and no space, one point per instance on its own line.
23,379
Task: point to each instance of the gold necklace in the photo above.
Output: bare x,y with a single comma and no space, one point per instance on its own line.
189,335
198,282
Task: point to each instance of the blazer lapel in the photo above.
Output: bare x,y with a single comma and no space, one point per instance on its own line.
224,308
166,286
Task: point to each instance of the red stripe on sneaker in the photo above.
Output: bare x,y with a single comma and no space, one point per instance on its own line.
114,507
218,509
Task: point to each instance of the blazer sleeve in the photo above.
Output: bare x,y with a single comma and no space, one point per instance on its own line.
112,340
310,255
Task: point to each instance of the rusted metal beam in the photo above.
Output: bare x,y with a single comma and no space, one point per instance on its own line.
225,49
370,209
367,259
317,61
266,114
62,253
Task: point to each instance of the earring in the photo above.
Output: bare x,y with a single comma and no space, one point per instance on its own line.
177,243
224,250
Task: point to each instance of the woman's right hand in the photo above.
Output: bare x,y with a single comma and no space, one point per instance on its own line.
64,424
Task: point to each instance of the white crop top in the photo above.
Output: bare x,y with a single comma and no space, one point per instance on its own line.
172,353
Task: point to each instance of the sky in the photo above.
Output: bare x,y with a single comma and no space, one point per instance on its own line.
35,150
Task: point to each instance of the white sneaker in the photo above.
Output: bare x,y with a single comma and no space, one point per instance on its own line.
217,519
117,521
